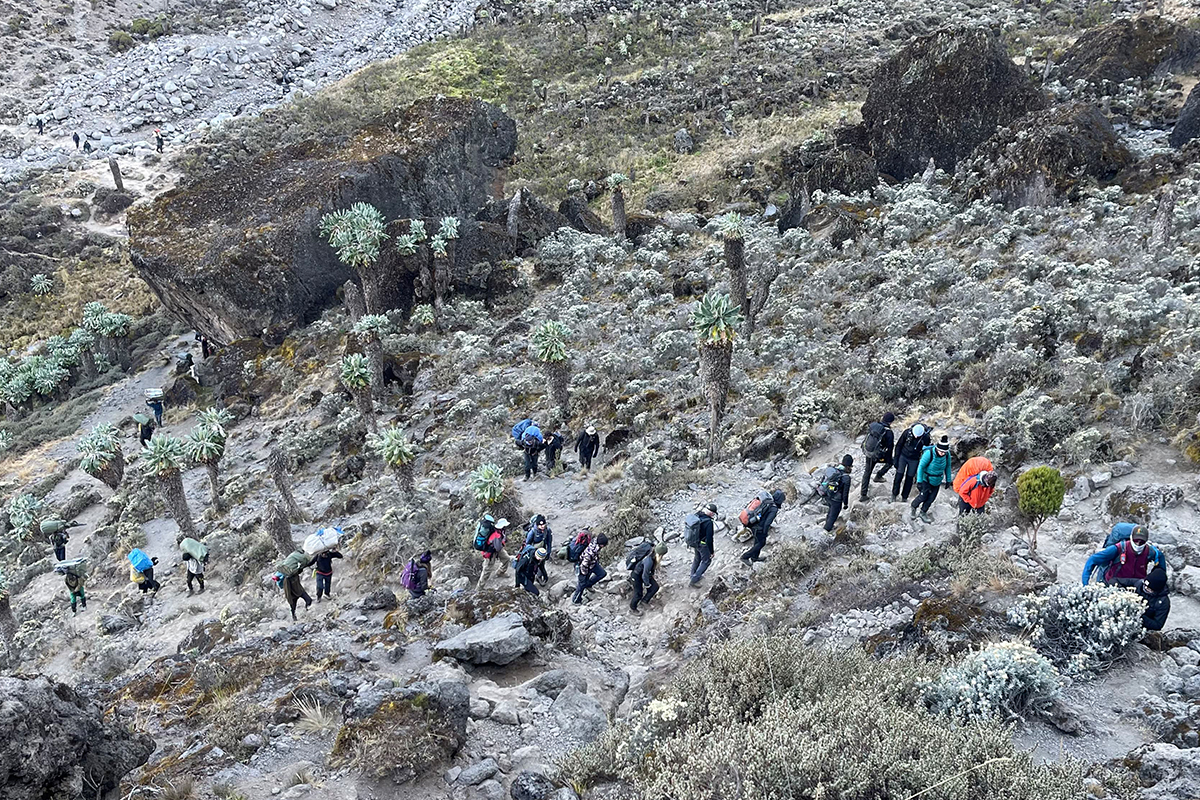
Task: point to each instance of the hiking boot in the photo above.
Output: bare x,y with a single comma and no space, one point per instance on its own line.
190,591
914,513
749,562
926,518
201,590
576,601
634,611
877,479
862,498
72,609
895,498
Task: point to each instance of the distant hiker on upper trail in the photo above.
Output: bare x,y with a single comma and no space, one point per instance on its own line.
418,574
145,428
698,534
1126,558
87,147
834,489
495,557
933,473
195,570
758,517
55,531
323,567
553,446
75,138
974,484
156,405
588,446
538,534
909,447
141,571
877,449
1158,605
41,126
158,140
532,558
645,564
528,437
590,571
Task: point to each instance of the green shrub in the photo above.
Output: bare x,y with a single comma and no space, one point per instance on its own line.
772,718
1008,679
120,41
1040,494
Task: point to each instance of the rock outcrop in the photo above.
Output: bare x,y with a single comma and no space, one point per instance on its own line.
500,640
1044,155
1131,48
239,252
827,166
940,97
54,744
1187,127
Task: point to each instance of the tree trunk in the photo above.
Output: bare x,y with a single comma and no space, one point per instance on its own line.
172,484
618,214
367,409
277,464
514,215
767,274
714,372
8,625
214,484
279,529
374,349
87,364
356,306
406,477
443,277
116,173
1164,218
735,259
113,471
558,375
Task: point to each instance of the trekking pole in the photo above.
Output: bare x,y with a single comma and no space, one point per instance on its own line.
996,760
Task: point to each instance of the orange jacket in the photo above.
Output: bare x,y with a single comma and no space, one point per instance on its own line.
968,488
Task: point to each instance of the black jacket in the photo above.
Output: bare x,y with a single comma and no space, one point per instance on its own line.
420,578
764,523
324,561
844,481
911,446
887,440
588,445
707,538
1155,616
645,569
554,443
526,567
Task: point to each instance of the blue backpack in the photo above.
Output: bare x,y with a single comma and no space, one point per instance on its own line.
485,528
518,430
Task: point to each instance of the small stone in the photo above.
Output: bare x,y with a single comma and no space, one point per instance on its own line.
252,741
1101,480
478,773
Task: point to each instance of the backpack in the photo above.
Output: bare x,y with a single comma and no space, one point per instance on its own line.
485,528
754,510
637,554
518,430
691,529
525,556
529,439
1119,533
293,564
408,578
831,482
872,446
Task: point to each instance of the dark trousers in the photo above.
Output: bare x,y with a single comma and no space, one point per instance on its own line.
60,552
906,473
195,576
965,508
526,583
760,539
700,562
835,508
324,583
642,592
530,464
885,461
551,457
588,580
926,494
585,460
149,584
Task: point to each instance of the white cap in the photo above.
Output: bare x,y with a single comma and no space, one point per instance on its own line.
501,523
918,429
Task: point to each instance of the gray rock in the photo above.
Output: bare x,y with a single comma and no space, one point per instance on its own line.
529,785
60,113
115,623
683,141
1101,480
505,713
500,640
478,773
490,790
252,741
381,599
579,715
1184,656
552,682
55,744
452,774
1173,773
565,793
1119,469
1191,687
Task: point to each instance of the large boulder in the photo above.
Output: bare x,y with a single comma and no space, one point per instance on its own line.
54,744
1187,127
579,716
1174,773
941,96
1131,48
500,640
1049,153
821,164
239,252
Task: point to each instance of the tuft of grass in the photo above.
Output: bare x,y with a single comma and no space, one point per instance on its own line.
314,717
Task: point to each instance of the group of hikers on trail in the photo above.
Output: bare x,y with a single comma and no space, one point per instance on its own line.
529,438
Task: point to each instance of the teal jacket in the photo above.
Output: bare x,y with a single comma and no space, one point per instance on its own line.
933,468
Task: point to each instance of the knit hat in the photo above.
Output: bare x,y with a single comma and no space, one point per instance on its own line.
602,540
1157,579
943,445
918,430
661,548
541,554
778,496
426,557
889,418
847,461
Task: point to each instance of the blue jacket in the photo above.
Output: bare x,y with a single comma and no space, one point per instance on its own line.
933,468
1102,558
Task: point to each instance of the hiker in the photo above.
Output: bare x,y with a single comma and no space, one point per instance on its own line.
145,429
877,448
158,142
1127,561
41,125
974,484
834,489
538,533
518,430
156,405
590,571
141,571
553,446
75,590
532,558
293,592
418,575
909,447
87,147
761,526
531,443
644,584
698,535
75,137
55,530
1158,605
588,446
494,553
933,473
324,570
575,548
195,570
205,346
